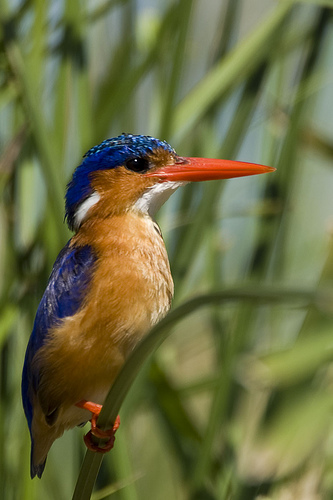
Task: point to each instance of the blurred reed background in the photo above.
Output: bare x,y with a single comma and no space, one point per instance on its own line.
238,402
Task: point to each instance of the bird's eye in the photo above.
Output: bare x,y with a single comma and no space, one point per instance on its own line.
137,164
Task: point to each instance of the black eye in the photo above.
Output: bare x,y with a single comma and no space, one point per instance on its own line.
137,164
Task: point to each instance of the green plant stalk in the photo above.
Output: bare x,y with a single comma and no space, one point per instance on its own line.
73,89
177,65
103,10
190,241
322,3
229,71
287,162
116,96
182,433
228,22
154,339
48,158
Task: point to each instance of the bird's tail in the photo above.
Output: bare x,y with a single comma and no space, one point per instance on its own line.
36,466
36,469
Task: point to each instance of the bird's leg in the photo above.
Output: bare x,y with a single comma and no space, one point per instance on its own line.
109,434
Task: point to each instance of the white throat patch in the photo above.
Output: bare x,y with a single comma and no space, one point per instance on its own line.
84,208
155,196
151,200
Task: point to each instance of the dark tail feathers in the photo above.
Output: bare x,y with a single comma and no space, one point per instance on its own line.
36,469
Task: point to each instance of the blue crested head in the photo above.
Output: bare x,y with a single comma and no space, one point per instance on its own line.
109,154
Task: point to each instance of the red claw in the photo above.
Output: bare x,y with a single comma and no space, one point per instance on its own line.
109,434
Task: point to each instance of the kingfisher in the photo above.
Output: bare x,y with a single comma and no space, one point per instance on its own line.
109,284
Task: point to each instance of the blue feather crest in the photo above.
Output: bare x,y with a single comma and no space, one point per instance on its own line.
63,297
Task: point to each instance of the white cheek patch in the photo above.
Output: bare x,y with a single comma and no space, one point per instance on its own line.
84,208
155,196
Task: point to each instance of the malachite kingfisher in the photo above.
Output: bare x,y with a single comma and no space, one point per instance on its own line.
110,283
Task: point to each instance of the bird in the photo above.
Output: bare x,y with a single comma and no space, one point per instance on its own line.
109,284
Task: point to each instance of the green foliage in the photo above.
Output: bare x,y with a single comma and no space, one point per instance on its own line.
237,402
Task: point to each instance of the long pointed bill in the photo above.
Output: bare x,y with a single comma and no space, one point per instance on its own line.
206,169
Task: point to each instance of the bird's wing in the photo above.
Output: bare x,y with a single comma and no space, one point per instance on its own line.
63,297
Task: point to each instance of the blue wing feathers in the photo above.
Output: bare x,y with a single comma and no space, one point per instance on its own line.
63,297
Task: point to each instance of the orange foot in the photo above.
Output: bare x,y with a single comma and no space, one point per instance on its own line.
96,431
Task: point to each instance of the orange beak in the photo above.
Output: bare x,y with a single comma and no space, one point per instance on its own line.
206,169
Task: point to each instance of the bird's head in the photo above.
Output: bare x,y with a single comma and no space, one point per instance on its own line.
137,172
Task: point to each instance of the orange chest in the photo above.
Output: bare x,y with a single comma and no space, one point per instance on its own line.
132,285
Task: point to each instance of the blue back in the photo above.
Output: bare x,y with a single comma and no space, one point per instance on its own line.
63,297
